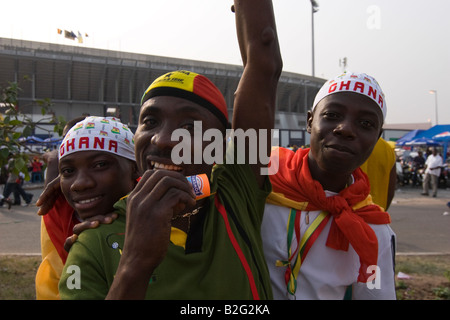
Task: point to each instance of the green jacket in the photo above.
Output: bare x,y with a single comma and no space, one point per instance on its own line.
211,267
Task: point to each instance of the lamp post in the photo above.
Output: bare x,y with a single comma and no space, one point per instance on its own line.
314,9
435,103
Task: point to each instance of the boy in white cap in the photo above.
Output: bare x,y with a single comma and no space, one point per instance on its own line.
96,168
321,231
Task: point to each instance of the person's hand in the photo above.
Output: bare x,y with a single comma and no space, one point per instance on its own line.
158,197
90,223
50,156
49,196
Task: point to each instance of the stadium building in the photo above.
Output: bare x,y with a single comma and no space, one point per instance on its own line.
86,81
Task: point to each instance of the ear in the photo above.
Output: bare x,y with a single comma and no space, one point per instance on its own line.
309,121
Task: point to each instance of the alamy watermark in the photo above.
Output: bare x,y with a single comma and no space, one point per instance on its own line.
374,20
374,280
240,145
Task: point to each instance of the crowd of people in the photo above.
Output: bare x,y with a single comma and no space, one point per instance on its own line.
121,221
13,183
424,170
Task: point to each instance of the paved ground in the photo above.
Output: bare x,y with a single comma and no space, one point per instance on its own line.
422,224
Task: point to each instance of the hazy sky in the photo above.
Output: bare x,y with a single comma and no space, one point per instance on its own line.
404,44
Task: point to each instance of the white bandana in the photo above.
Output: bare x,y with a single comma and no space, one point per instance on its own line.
353,82
101,134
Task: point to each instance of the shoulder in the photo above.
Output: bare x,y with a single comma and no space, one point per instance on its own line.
237,178
96,239
384,233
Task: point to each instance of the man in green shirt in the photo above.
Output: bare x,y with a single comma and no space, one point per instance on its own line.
172,246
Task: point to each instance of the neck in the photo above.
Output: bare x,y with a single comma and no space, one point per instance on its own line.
330,181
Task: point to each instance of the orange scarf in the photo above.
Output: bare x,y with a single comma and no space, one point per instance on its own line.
351,209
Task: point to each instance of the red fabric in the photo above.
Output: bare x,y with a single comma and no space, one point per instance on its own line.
37,166
204,88
237,248
294,180
59,222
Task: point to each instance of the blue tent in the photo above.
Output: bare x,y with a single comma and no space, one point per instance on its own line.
434,131
408,137
31,140
423,142
444,138
52,141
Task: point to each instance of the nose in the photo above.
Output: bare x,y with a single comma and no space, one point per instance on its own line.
163,138
83,181
345,129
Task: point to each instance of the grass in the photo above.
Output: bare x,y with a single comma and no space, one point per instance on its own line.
430,277
17,274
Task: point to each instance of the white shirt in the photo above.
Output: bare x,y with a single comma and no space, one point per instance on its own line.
433,161
325,273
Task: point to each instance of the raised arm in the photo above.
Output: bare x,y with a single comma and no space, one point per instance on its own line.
255,97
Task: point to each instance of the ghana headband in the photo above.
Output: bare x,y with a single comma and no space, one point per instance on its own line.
191,86
360,83
106,134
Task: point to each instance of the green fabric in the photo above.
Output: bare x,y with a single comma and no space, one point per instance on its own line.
214,272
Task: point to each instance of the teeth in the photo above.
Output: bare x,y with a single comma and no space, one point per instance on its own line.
88,200
157,165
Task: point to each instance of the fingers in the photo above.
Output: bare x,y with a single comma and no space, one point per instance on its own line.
163,191
159,182
69,242
49,196
94,222
80,227
104,219
91,223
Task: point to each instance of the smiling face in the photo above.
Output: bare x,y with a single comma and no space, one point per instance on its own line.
344,129
92,181
159,117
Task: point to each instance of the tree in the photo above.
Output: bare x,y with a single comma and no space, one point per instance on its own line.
15,124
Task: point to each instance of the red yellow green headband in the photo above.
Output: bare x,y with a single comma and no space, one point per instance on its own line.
191,86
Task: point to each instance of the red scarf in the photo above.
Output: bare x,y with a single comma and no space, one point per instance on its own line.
350,223
59,222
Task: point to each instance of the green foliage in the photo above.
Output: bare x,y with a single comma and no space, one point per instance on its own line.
15,125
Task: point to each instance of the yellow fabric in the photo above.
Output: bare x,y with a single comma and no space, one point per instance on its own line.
178,79
280,200
49,272
378,168
178,237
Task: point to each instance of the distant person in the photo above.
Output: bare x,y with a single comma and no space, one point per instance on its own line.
418,164
36,171
14,185
433,166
